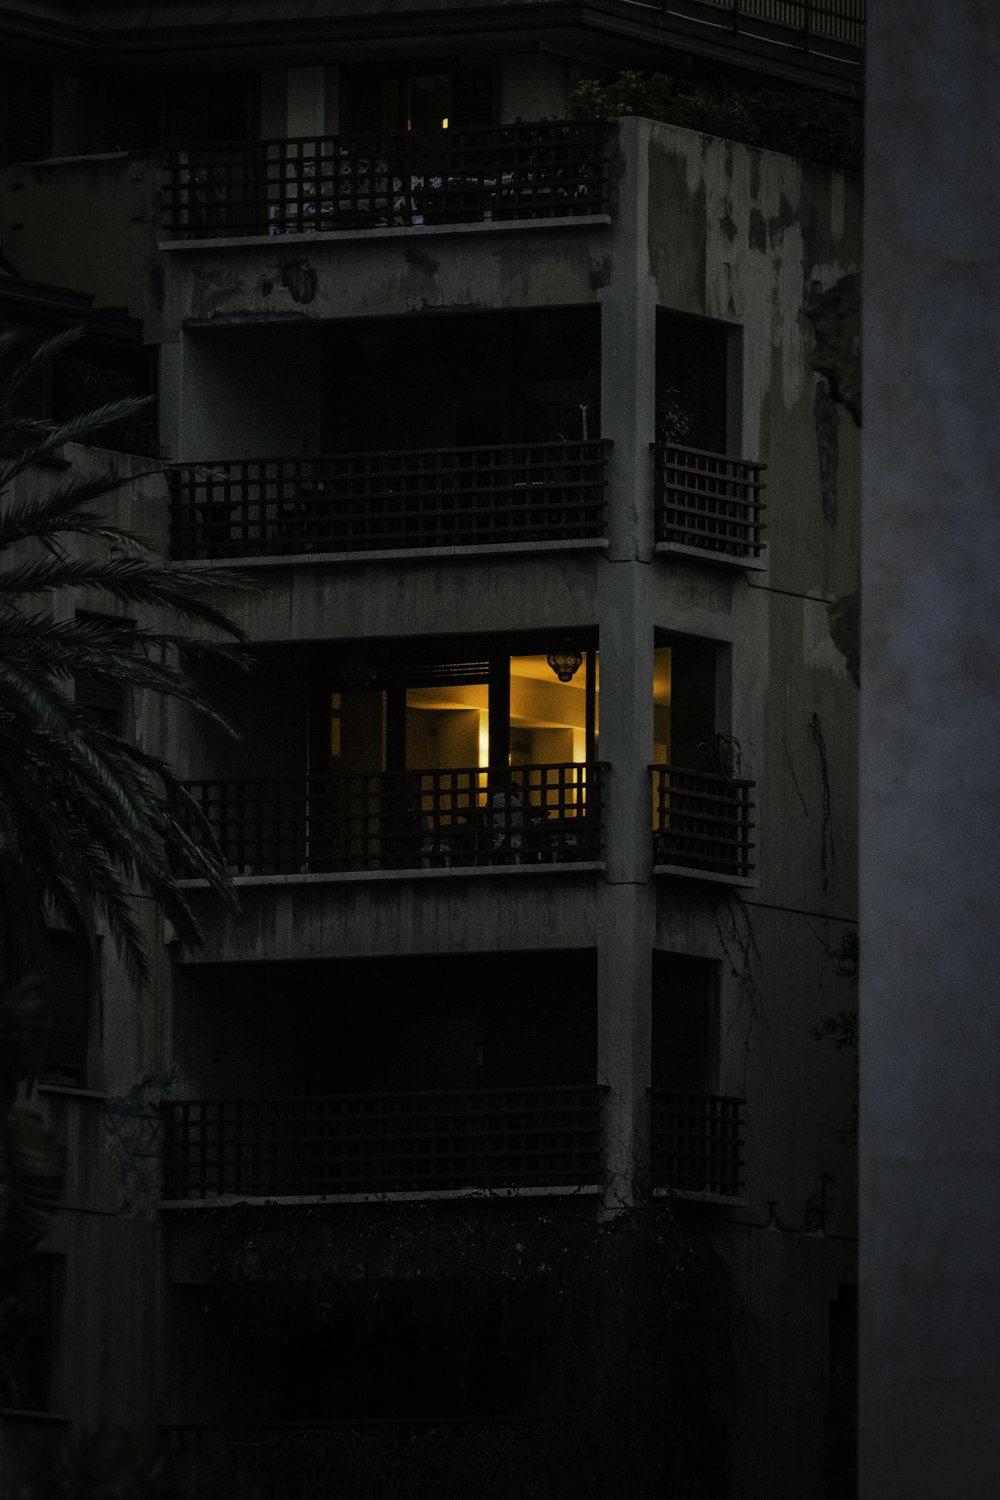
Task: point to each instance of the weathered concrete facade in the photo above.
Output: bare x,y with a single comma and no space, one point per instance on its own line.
737,241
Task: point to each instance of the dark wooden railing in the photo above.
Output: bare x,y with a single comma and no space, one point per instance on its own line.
697,1142
554,169
350,502
708,501
836,20
382,1143
702,821
403,821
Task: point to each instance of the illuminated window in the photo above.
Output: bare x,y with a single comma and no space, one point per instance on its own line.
549,718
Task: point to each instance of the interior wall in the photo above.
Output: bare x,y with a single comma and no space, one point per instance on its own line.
250,392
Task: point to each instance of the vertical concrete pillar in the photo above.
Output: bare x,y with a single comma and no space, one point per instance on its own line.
625,619
930,731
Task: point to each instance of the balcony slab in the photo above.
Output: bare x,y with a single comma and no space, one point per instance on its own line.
713,877
403,554
398,231
722,559
432,1195
353,877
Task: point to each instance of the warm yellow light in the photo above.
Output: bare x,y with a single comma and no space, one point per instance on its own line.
579,746
444,123
484,738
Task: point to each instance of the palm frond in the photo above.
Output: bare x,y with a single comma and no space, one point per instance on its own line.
71,431
88,820
60,510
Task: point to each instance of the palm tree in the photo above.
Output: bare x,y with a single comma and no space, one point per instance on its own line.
87,819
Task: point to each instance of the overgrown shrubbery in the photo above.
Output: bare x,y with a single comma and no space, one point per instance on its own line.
806,123
621,1338
121,1464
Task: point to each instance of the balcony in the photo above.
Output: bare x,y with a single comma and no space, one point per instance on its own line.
697,1143
502,1140
388,180
708,505
508,495
702,824
411,820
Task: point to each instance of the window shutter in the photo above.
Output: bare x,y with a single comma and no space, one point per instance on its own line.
67,974
473,98
28,111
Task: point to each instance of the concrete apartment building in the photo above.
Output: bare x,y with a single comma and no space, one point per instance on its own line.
543,811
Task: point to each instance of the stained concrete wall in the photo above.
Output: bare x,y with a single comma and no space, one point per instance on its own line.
930,810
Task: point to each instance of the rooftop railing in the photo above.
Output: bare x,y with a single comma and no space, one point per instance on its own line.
702,821
835,20
697,1142
358,502
708,502
386,180
450,819
332,1145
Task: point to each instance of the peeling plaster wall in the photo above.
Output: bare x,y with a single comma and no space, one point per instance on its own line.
385,276
759,234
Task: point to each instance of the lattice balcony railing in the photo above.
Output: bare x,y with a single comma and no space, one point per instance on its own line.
383,1143
549,814
556,169
702,821
350,502
697,1142
708,501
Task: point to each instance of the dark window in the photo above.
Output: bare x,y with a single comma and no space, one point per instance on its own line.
461,99
25,112
131,116
145,113
216,107
68,978
685,1023
691,381
33,1334
32,402
104,701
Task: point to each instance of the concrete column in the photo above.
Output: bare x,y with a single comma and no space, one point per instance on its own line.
930,731
625,619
